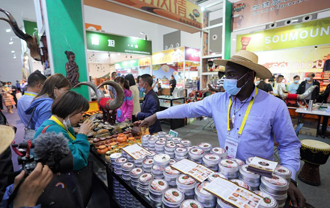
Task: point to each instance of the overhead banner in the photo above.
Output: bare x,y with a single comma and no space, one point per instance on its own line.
249,13
311,33
295,60
168,56
115,43
179,10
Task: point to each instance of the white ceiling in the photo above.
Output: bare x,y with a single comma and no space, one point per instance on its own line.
102,57
11,69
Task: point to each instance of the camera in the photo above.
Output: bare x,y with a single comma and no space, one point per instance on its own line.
50,149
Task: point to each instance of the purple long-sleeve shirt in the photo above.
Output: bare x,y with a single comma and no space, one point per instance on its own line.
268,118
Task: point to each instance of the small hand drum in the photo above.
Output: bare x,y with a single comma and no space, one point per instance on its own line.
314,153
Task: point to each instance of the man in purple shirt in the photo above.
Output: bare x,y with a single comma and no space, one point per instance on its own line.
247,119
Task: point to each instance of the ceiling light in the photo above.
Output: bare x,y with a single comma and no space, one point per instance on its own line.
11,41
8,30
14,56
12,51
202,8
142,33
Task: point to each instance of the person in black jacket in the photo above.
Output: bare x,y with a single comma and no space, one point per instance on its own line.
172,84
305,85
261,84
150,104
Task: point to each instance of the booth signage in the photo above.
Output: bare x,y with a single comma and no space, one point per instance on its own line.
127,64
192,54
115,43
250,13
30,27
145,61
305,34
168,56
295,60
179,10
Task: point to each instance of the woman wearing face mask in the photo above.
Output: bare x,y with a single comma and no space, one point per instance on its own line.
7,98
40,107
135,93
124,113
67,110
293,87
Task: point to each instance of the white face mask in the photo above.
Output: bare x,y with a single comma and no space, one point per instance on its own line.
67,123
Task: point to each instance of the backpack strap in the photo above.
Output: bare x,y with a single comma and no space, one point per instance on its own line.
45,129
28,124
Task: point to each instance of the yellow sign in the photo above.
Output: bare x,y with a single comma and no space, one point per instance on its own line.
305,34
295,60
168,56
144,61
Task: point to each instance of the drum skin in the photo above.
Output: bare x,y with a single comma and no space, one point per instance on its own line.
314,155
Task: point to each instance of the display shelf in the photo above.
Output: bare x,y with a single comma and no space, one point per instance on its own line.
143,199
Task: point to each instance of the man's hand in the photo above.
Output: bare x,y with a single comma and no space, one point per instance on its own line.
149,121
33,186
297,199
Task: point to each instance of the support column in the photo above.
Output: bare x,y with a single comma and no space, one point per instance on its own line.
65,31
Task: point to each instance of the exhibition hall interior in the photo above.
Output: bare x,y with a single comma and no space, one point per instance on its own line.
164,104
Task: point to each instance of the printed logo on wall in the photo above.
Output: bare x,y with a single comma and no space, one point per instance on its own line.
250,13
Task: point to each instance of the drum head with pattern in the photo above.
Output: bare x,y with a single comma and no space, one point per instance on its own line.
313,144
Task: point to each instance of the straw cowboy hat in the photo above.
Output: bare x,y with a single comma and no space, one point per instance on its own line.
7,135
249,60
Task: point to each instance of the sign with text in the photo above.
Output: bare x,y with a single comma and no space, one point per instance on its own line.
179,10
168,56
126,64
115,43
249,13
145,61
295,60
192,54
311,33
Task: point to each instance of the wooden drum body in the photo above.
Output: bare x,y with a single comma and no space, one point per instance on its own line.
314,153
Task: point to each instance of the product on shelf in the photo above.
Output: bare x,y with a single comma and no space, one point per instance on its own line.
172,198
186,185
156,189
203,196
229,168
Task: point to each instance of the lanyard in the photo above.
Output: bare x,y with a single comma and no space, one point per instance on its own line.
60,124
33,95
245,116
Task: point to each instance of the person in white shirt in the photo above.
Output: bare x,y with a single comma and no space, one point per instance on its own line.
278,84
294,86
